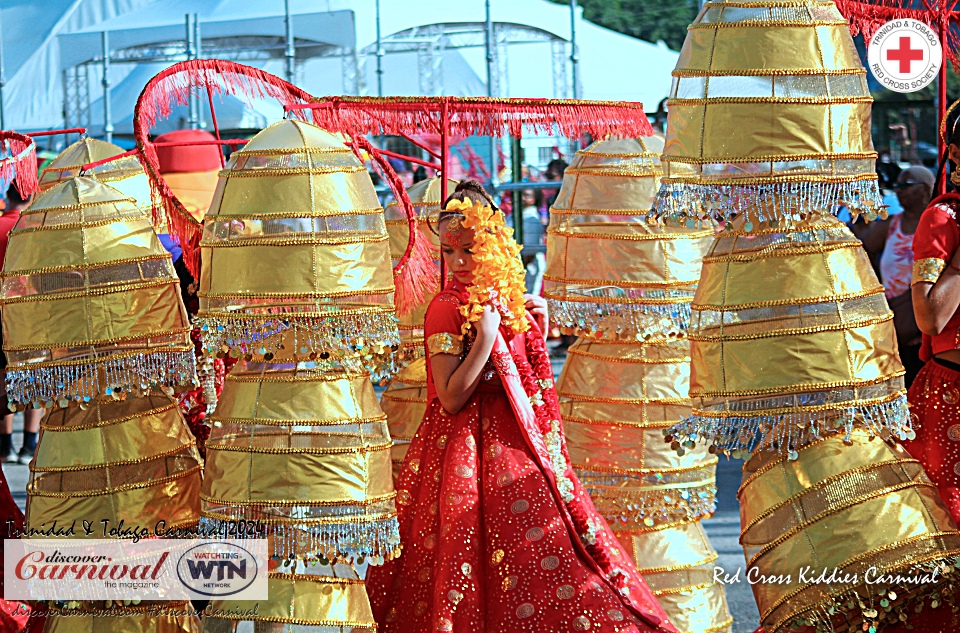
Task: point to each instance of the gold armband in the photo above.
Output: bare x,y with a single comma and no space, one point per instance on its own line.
927,270
445,343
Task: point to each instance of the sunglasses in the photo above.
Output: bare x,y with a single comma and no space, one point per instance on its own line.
903,184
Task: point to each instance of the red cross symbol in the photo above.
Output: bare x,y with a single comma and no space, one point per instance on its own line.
905,54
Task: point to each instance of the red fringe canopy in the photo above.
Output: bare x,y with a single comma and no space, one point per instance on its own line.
172,87
18,163
483,116
867,16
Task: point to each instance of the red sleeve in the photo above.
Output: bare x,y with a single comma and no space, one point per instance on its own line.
938,234
443,315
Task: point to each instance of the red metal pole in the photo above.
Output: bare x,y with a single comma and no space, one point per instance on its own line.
942,100
443,173
216,128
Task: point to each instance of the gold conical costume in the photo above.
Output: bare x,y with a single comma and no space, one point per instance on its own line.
94,331
625,287
91,303
123,174
794,364
296,281
405,399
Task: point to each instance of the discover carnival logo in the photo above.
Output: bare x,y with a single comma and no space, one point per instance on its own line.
905,55
150,569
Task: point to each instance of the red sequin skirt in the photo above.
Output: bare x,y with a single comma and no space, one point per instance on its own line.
485,548
934,400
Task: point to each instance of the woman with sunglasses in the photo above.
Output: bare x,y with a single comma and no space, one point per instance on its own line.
935,284
891,241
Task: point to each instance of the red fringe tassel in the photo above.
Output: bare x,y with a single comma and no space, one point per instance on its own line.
20,167
415,275
482,116
173,87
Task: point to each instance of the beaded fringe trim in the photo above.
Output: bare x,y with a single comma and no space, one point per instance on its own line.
621,321
373,338
58,385
695,204
636,507
738,434
366,541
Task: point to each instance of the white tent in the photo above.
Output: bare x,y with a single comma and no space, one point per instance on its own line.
54,33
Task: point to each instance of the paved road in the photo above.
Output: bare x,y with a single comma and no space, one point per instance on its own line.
723,528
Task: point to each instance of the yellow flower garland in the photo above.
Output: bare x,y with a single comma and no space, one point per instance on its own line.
498,275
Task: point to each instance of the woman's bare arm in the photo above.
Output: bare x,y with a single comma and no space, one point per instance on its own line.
934,304
456,379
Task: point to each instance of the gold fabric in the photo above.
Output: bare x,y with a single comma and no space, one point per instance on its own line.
91,302
445,343
91,619
787,78
610,273
194,190
336,600
927,270
295,235
132,460
124,174
615,399
309,270
123,314
425,199
302,450
849,505
677,563
404,403
816,322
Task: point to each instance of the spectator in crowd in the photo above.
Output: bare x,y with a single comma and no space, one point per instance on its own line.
31,417
533,239
554,172
892,241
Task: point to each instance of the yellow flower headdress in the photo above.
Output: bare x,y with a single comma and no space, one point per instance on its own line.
498,275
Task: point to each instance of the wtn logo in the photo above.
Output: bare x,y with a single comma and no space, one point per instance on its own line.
224,568
218,569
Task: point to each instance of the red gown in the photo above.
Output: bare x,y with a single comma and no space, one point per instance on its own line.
934,395
497,533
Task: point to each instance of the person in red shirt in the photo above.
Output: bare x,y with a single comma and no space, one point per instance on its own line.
31,417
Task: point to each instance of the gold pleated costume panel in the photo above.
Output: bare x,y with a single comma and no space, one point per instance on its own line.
404,402
616,399
325,599
132,460
610,274
625,287
161,617
124,174
405,399
295,199
787,77
307,452
91,302
808,350
847,506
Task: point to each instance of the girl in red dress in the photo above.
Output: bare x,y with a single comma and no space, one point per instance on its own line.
934,395
497,533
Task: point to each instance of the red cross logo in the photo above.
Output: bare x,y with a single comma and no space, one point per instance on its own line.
905,55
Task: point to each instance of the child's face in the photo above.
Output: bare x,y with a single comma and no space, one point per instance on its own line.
456,242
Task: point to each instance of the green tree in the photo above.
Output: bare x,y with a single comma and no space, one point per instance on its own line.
649,20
